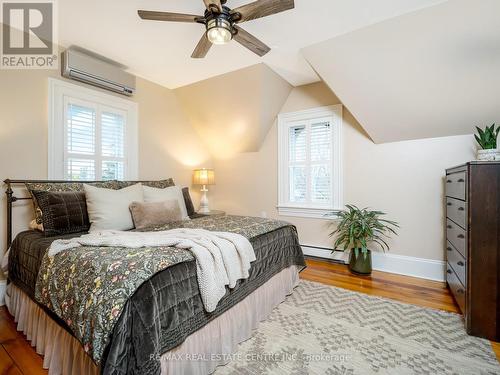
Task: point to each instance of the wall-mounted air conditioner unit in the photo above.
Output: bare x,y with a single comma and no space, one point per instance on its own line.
81,67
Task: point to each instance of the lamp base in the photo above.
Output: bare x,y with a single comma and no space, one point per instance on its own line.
204,209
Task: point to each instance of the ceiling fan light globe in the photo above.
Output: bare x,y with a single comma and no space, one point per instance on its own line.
219,31
219,35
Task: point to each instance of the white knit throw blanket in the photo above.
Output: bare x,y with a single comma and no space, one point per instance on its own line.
222,258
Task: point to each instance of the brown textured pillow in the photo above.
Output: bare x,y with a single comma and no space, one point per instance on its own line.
62,212
155,213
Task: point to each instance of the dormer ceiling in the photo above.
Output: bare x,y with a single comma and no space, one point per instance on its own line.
233,112
431,73
160,51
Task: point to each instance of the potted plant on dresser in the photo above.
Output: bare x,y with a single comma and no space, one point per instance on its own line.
487,140
357,230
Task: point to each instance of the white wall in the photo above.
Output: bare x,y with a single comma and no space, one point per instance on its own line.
168,145
403,179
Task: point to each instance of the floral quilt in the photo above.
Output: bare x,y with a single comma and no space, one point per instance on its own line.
88,287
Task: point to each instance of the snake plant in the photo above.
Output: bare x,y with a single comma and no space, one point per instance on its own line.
358,228
487,138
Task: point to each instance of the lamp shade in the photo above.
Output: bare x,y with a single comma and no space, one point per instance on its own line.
203,177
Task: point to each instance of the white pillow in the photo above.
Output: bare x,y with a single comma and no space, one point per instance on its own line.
160,195
108,208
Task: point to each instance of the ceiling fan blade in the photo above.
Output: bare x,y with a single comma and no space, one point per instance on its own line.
261,8
202,48
210,4
166,16
249,41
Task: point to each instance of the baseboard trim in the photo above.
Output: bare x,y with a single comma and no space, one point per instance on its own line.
399,264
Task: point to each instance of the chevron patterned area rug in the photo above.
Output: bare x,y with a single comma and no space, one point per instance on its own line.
321,329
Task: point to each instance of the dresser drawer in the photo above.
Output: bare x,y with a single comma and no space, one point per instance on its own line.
457,236
456,210
456,287
455,185
457,262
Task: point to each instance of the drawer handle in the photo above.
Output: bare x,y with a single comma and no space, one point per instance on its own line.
460,263
448,271
449,248
449,226
449,204
461,236
461,209
461,180
460,291
449,181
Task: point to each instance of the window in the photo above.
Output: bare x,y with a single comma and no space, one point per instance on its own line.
310,164
92,135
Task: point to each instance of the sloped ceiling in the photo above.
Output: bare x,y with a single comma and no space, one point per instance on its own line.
160,51
234,112
431,73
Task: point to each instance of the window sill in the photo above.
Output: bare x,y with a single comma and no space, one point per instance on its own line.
307,212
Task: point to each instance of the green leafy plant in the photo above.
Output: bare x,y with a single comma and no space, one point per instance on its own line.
358,228
487,138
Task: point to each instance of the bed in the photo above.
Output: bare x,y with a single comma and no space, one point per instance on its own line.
162,326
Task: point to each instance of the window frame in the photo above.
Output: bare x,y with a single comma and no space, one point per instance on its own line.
287,120
59,94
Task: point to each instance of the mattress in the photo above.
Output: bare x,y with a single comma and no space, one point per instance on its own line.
146,329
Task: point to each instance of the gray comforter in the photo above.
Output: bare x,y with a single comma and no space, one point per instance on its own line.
144,328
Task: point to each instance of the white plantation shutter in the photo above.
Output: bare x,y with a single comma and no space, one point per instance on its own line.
112,134
80,169
81,129
321,141
95,142
309,162
321,162
298,141
113,145
297,162
92,134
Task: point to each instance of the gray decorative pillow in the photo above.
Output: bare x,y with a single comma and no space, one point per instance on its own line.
78,186
154,214
63,212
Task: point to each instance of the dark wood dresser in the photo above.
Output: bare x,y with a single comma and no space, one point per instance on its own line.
473,244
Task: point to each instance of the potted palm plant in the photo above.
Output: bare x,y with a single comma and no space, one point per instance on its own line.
356,231
487,140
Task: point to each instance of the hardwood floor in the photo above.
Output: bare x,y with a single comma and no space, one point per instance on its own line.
401,288
18,357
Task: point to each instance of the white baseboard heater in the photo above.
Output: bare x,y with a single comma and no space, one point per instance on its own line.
387,262
324,252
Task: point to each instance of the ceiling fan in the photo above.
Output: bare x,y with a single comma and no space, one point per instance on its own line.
221,23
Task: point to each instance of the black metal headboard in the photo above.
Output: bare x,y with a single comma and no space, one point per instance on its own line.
11,198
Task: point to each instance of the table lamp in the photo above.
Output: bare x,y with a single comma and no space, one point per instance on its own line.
204,177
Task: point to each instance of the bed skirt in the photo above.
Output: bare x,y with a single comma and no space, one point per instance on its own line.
199,354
